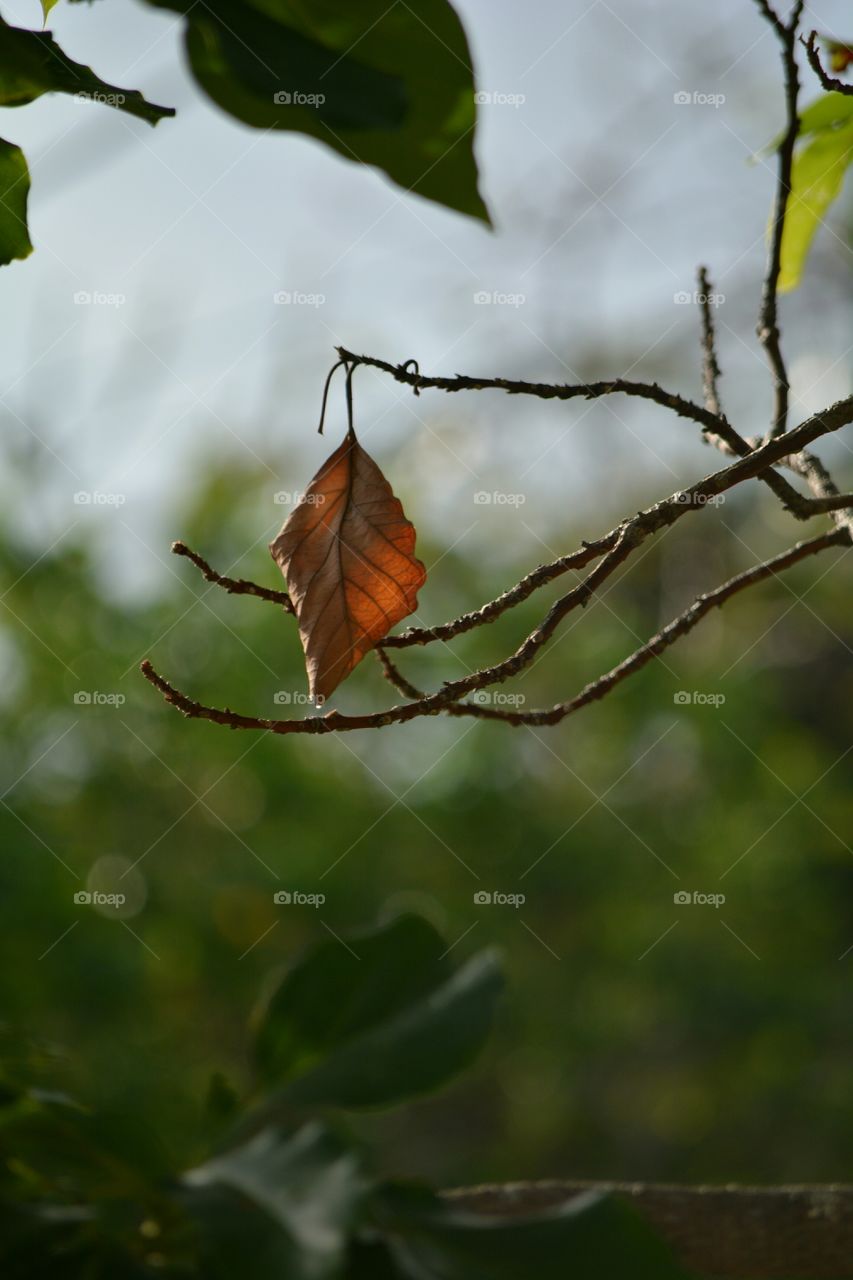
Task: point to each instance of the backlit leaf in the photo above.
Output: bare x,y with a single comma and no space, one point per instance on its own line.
816,179
347,553
826,112
829,111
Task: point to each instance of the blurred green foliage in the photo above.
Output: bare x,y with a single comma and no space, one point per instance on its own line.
381,85
287,1186
639,1038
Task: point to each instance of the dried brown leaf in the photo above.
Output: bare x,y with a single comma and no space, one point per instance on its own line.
347,554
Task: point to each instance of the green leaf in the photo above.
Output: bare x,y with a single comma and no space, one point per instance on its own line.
829,111
383,1020
14,190
816,180
46,6
432,1238
826,112
285,1201
32,63
381,84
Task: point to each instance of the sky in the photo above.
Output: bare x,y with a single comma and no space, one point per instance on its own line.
144,336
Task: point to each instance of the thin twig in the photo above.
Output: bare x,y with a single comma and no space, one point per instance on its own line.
674,630
768,325
713,425
543,390
234,586
803,463
509,599
710,363
726,438
394,675
827,497
827,494
829,82
832,502
772,17
679,627
629,535
333,721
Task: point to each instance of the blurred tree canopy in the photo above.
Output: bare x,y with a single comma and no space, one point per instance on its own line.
718,1030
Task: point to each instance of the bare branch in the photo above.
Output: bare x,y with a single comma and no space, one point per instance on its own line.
394,675
628,536
489,612
234,586
543,390
754,459
838,502
772,17
768,325
726,438
432,704
822,485
753,462
710,364
714,425
829,82
679,627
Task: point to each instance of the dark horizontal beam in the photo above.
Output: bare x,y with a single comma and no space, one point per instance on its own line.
784,1233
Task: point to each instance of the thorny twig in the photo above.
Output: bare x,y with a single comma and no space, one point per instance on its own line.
710,364
234,586
753,460
725,437
829,82
768,324
711,423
